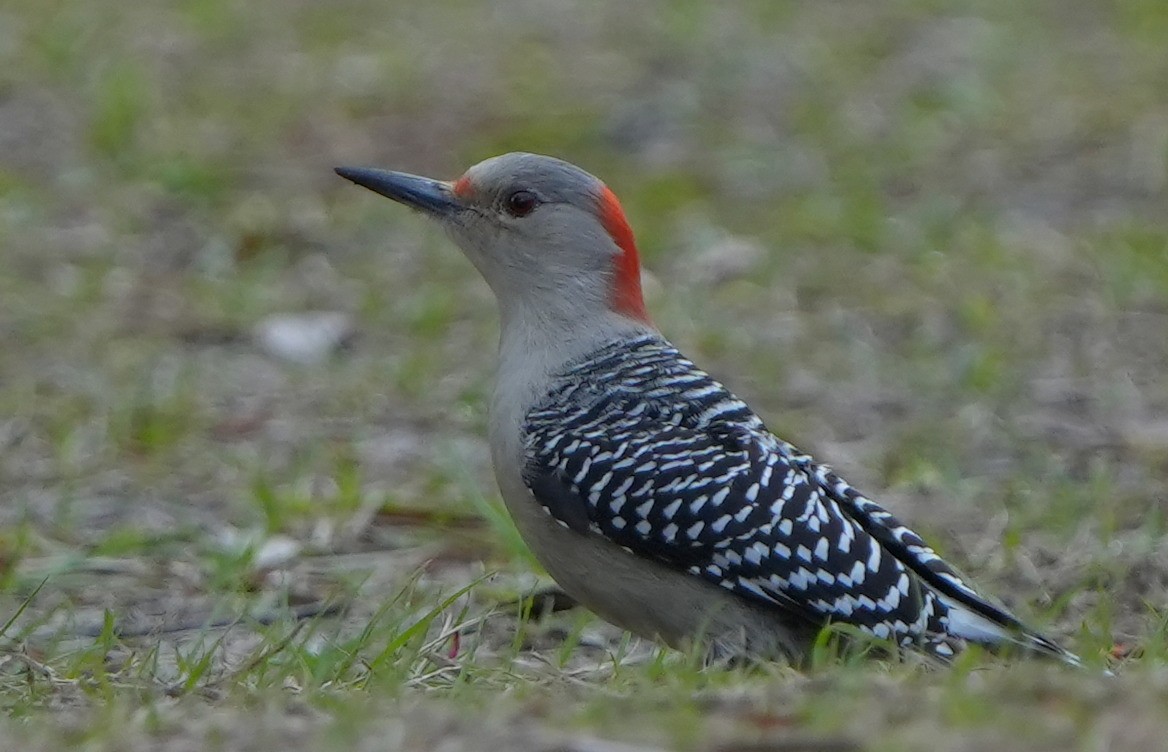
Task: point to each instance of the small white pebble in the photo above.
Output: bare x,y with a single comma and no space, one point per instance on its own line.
276,552
304,338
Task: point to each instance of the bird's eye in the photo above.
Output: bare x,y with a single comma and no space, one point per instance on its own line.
521,203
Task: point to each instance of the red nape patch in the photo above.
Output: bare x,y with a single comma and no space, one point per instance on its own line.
626,289
462,187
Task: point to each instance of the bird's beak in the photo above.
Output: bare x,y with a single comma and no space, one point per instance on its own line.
434,197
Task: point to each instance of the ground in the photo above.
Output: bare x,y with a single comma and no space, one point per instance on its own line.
927,241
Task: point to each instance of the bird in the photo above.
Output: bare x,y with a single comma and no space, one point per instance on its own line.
649,492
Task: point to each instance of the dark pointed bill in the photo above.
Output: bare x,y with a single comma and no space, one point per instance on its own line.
425,194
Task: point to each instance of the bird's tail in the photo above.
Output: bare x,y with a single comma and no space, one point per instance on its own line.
970,626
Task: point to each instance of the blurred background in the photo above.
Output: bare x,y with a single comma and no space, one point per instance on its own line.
928,241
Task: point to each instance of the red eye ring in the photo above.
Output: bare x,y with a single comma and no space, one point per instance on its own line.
521,203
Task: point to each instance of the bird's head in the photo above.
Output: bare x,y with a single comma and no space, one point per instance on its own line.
550,239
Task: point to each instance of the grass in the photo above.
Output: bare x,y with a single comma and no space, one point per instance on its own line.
926,242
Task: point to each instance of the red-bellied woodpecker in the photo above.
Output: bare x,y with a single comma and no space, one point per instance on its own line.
650,493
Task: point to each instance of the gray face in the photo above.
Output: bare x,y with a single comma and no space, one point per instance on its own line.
524,212
532,227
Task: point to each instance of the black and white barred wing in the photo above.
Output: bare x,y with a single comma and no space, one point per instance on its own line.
725,503
637,444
